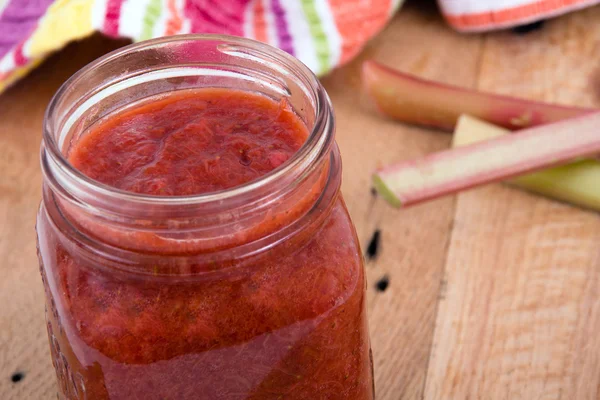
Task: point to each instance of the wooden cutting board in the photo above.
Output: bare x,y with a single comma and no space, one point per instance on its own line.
492,294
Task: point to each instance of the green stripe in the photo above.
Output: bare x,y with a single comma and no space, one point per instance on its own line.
153,11
318,34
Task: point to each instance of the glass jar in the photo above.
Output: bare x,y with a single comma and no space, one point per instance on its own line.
255,292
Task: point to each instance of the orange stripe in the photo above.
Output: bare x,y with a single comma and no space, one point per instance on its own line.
515,14
174,23
358,20
260,24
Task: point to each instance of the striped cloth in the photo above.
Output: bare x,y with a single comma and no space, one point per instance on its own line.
483,15
322,33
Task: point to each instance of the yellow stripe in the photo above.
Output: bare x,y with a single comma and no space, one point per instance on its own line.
54,32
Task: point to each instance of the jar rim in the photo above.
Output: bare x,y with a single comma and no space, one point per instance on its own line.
316,146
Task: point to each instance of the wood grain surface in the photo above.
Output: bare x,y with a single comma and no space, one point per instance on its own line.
490,295
521,312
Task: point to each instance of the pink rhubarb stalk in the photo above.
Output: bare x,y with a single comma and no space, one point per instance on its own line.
418,101
494,160
577,183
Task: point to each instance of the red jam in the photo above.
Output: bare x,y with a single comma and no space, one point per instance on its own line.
288,324
191,143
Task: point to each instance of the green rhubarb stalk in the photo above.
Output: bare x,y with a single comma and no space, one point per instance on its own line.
577,183
414,100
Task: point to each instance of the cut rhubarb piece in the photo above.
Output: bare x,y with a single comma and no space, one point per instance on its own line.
494,160
577,183
418,101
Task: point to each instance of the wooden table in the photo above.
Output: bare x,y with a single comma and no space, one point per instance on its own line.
492,294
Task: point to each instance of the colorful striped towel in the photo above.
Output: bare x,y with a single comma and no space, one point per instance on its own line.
322,33
483,15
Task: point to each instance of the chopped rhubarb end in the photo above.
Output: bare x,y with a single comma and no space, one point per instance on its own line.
388,194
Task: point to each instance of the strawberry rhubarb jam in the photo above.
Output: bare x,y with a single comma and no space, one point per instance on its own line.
190,143
194,245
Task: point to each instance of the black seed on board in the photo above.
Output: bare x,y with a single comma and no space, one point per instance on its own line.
373,192
373,246
17,377
382,284
523,29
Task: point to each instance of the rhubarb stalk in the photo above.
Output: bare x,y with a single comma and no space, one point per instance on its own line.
577,183
418,101
490,161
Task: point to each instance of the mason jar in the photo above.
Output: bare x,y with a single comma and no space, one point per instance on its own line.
252,292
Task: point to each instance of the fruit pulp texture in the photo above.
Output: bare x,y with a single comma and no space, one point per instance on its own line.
290,324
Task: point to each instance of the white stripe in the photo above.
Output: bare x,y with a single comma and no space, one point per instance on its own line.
26,49
249,20
132,17
98,14
3,4
7,63
270,23
186,26
186,23
302,40
334,38
459,7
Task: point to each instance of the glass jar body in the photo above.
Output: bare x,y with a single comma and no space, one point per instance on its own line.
290,323
254,292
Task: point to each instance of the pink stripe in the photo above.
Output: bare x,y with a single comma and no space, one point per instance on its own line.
111,20
225,16
18,55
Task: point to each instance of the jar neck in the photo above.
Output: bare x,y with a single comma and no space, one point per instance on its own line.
248,218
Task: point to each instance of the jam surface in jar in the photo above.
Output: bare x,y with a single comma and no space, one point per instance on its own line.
288,323
194,142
